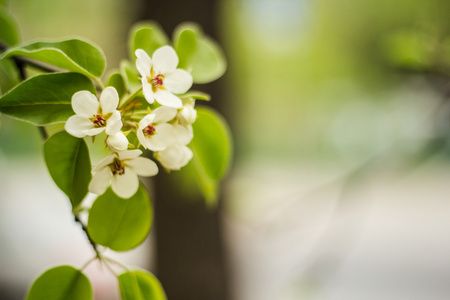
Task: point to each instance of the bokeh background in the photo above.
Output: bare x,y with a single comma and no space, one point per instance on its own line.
339,187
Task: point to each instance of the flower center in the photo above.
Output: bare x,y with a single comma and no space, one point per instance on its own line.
158,80
98,120
149,130
117,167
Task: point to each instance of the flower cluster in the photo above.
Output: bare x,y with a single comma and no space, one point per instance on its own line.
161,124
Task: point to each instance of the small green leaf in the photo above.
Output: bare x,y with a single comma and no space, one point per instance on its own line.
147,36
209,63
74,55
196,95
61,283
198,53
68,162
10,30
130,74
212,150
185,43
120,224
45,98
140,285
117,81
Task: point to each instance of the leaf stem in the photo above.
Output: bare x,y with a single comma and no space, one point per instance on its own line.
116,262
88,262
131,97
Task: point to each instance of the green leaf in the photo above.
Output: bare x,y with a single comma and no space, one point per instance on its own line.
74,55
117,81
44,99
9,76
120,224
209,63
185,42
140,285
10,30
147,36
61,283
68,162
212,147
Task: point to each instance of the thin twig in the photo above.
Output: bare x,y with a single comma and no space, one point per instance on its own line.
93,244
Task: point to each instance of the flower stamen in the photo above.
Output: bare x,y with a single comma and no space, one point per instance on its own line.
150,130
117,167
98,120
158,80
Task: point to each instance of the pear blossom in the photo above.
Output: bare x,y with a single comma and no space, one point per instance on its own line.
93,116
177,155
160,77
121,170
154,132
117,142
174,157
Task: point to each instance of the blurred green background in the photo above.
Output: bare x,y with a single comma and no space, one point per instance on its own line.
327,101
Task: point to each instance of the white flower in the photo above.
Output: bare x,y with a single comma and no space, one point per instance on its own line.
160,77
174,157
121,170
154,132
92,116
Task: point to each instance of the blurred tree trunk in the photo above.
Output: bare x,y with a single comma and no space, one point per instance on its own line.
189,243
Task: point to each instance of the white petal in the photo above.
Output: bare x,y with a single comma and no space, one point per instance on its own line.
165,136
114,123
142,139
165,60
184,134
100,181
94,131
175,157
178,82
187,156
164,114
118,141
143,63
187,115
147,120
147,90
166,98
76,125
109,100
85,104
129,154
143,166
125,185
104,162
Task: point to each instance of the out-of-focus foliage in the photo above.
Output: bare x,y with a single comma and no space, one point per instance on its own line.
329,74
140,284
63,282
